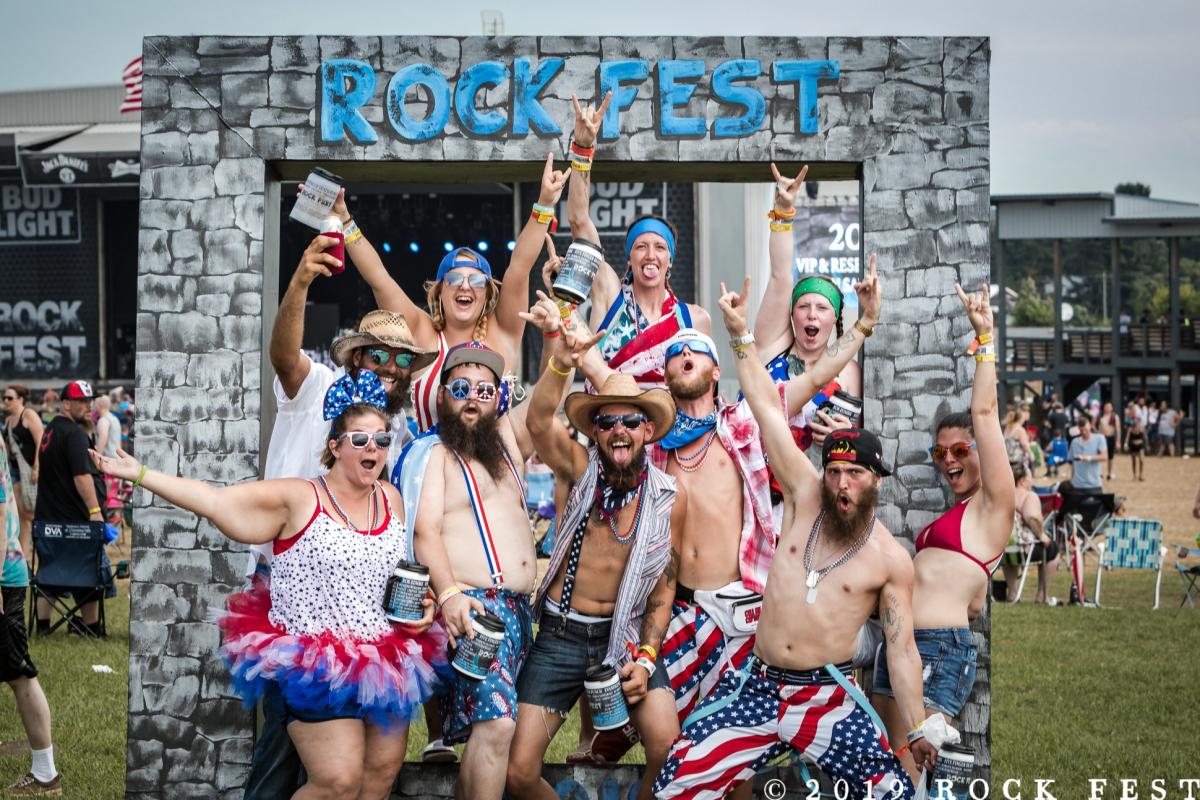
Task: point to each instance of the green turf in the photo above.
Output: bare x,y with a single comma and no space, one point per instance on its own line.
1077,694
88,709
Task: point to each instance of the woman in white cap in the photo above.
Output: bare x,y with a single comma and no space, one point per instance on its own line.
464,302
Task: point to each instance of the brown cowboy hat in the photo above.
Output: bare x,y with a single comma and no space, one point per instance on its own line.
381,329
621,388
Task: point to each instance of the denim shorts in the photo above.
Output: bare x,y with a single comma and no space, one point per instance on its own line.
560,657
947,668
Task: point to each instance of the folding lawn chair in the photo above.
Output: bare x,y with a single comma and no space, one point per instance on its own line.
68,556
1132,544
1189,575
1051,503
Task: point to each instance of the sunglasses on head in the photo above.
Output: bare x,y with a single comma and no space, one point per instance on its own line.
359,439
381,358
959,450
696,346
473,279
630,422
460,389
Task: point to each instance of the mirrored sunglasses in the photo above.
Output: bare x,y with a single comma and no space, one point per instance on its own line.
381,358
359,439
696,346
959,450
630,422
473,279
460,389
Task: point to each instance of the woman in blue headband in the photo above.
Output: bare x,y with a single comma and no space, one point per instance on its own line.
465,303
795,321
639,312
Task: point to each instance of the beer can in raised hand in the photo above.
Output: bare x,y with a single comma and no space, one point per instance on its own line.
579,267
316,199
331,226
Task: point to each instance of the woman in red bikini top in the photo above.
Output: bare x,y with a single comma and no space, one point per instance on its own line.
957,552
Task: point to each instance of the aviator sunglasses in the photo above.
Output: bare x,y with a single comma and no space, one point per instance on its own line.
460,389
697,346
959,450
359,439
457,280
381,358
630,422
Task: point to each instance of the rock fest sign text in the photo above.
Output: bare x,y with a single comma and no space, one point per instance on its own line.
346,85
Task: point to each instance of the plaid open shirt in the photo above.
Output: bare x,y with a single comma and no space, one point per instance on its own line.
740,435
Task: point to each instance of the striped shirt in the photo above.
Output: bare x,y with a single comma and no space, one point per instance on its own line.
647,559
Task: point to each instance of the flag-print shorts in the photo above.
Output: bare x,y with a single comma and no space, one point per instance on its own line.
495,697
755,715
696,652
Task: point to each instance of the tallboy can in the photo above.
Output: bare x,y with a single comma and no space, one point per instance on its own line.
405,591
579,267
474,657
605,698
316,199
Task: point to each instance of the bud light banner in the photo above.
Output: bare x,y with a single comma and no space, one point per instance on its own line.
38,215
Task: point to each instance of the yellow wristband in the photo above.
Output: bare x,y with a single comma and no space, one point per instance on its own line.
984,338
648,650
582,166
354,237
985,357
781,227
95,510
141,474
555,369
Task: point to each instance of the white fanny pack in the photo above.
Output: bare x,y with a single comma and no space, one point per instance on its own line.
733,607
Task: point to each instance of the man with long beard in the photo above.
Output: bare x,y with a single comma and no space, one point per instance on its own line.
463,485
606,597
793,693
383,345
715,450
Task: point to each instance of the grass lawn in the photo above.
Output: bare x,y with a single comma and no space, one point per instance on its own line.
1077,693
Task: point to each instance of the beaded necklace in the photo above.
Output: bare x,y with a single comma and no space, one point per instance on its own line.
623,538
695,460
342,513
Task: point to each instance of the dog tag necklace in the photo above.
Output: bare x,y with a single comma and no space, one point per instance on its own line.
815,576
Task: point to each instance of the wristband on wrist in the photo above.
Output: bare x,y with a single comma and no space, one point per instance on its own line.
95,510
354,237
985,357
447,594
553,366
554,334
350,228
741,342
979,342
862,328
780,227
580,150
778,214
646,664
649,651
545,216
141,474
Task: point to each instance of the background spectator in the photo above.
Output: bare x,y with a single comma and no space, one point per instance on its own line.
1168,421
1087,453
1108,425
23,430
16,667
1135,445
69,489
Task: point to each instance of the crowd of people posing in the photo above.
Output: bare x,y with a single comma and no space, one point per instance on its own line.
728,582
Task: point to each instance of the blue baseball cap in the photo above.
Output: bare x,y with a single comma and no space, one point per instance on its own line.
463,257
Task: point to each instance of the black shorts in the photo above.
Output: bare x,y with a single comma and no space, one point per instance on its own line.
14,643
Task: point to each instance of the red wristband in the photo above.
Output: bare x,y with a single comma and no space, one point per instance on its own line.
586,152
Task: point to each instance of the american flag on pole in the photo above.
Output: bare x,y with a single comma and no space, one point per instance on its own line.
132,76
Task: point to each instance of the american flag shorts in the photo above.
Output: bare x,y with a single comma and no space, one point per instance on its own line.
749,721
696,652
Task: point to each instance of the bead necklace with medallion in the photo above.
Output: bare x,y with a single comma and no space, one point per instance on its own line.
815,576
695,460
371,501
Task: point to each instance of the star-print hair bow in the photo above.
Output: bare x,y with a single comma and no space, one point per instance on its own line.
346,391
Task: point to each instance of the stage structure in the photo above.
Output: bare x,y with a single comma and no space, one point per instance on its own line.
226,119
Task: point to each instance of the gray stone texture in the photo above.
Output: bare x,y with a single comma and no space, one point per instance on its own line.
912,110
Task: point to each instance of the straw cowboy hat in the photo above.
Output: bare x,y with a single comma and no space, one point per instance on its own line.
622,389
381,329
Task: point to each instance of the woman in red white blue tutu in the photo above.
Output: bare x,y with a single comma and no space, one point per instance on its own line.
317,644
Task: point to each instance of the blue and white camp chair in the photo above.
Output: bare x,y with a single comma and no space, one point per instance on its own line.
1132,544
1189,574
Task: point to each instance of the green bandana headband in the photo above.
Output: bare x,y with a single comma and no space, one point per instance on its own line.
822,287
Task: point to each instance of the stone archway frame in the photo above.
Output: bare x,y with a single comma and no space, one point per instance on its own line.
225,118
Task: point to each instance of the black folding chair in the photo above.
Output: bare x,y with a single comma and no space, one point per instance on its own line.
69,557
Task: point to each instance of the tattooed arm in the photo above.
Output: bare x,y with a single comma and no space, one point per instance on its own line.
903,660
657,615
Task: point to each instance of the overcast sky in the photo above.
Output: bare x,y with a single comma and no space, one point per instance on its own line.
1083,94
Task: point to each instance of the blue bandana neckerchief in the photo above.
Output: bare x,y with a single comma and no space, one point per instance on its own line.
610,500
687,430
347,391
